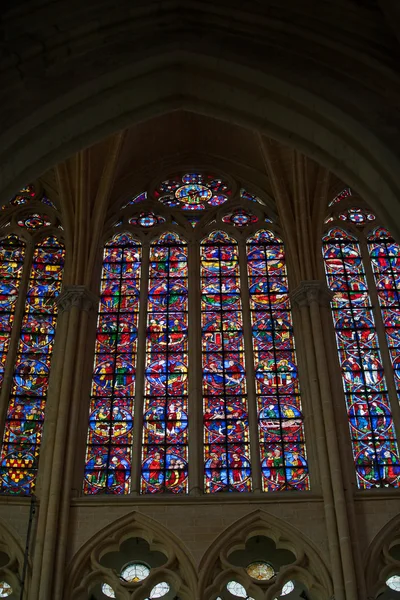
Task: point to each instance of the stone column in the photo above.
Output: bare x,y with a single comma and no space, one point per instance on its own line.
75,303
313,297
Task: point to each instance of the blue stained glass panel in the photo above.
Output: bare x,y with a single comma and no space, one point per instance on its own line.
110,435
25,414
372,432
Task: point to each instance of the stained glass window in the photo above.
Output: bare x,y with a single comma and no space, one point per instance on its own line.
385,259
146,219
372,433
135,199
345,193
247,196
12,251
240,218
193,191
226,432
165,451
359,216
109,449
25,414
280,420
34,221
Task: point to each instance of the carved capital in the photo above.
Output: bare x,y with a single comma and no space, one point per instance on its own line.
77,295
312,291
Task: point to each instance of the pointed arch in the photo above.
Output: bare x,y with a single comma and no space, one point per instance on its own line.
379,562
86,568
12,554
215,569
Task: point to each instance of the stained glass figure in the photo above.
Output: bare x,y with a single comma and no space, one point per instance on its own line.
12,251
371,426
109,444
146,219
165,430
345,193
135,199
34,221
25,414
247,196
280,419
193,191
359,216
240,218
226,431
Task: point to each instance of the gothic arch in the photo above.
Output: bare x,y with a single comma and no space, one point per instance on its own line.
86,569
181,80
215,568
379,562
12,559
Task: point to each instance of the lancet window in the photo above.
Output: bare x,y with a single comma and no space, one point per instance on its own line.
31,268
362,269
171,346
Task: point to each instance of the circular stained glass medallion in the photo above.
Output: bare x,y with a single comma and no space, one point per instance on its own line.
34,221
146,219
240,218
394,583
193,191
260,570
134,572
107,590
357,216
5,589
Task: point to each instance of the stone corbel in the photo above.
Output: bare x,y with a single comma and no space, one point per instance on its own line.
312,291
77,295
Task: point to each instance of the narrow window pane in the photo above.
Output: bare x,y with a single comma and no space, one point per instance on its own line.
371,427
165,427
25,415
109,443
226,430
12,252
280,419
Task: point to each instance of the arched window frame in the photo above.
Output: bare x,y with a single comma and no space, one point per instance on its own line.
209,221
361,233
37,202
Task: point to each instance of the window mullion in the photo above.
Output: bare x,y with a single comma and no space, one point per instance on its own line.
380,330
140,373
250,371
195,408
15,335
